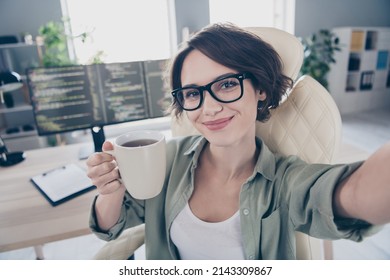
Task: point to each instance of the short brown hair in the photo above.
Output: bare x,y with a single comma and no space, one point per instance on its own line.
242,51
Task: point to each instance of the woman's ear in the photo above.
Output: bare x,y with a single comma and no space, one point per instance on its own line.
261,95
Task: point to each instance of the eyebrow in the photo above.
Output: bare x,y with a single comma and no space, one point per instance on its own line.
216,78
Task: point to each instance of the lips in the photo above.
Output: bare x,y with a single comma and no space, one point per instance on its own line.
217,124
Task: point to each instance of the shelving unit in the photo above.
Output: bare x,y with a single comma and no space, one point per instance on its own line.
360,78
17,123
20,108
20,56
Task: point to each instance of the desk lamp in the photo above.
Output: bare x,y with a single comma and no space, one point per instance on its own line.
9,81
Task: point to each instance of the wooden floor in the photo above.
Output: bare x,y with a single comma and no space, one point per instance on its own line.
362,134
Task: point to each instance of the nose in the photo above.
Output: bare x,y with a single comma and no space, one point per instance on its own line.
210,106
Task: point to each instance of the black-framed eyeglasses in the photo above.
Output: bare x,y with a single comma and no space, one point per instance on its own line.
225,90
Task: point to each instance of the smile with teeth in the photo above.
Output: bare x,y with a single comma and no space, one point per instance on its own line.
218,124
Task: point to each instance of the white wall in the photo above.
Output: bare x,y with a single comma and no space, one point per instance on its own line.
17,16
312,15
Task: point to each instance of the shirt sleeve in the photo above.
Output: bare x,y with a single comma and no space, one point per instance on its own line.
132,214
133,210
309,197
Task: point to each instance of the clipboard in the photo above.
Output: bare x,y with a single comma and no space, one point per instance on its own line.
63,183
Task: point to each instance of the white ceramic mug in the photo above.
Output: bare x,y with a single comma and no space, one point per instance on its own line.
141,158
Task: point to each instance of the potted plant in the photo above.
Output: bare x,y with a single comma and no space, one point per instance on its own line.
319,50
55,43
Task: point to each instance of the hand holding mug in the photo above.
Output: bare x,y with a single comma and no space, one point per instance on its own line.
103,171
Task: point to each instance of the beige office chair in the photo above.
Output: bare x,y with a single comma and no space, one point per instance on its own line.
307,124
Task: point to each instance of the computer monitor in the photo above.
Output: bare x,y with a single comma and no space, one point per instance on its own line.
69,98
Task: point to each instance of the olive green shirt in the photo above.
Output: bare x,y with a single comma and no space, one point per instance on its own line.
283,195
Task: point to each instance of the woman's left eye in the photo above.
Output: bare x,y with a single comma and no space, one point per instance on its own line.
228,84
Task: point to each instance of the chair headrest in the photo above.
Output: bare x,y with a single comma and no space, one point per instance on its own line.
286,45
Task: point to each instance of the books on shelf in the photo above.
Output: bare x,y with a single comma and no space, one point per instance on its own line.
357,40
383,57
367,80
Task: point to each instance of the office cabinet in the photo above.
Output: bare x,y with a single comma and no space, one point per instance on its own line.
360,78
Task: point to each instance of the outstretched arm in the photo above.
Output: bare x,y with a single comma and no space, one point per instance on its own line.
365,194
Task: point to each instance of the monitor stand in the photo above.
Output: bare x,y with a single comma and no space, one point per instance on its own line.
98,136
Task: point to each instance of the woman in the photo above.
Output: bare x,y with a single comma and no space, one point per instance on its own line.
226,196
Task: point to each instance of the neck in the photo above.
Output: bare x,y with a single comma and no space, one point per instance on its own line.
233,161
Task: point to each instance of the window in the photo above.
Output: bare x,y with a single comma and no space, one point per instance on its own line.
250,13
121,30
243,12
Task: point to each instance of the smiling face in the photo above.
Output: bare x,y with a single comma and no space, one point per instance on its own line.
222,124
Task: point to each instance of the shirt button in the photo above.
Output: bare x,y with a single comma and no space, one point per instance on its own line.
246,212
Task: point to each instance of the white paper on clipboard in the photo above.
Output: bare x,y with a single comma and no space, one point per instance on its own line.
62,183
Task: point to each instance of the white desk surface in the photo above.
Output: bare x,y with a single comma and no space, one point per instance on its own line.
26,217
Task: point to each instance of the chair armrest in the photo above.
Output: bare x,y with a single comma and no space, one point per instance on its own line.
124,246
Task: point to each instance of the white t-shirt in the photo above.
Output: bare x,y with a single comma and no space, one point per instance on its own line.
197,239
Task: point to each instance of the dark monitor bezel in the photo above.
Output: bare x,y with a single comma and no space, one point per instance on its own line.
99,124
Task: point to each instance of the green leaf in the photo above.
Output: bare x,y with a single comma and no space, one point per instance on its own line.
319,51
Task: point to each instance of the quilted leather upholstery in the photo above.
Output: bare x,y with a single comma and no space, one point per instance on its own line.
286,45
307,124
124,246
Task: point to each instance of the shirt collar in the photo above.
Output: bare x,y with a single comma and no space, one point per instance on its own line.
196,146
265,165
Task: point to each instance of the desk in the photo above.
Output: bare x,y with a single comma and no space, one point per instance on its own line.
26,217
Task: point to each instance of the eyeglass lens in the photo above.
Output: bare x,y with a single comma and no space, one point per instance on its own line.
225,90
